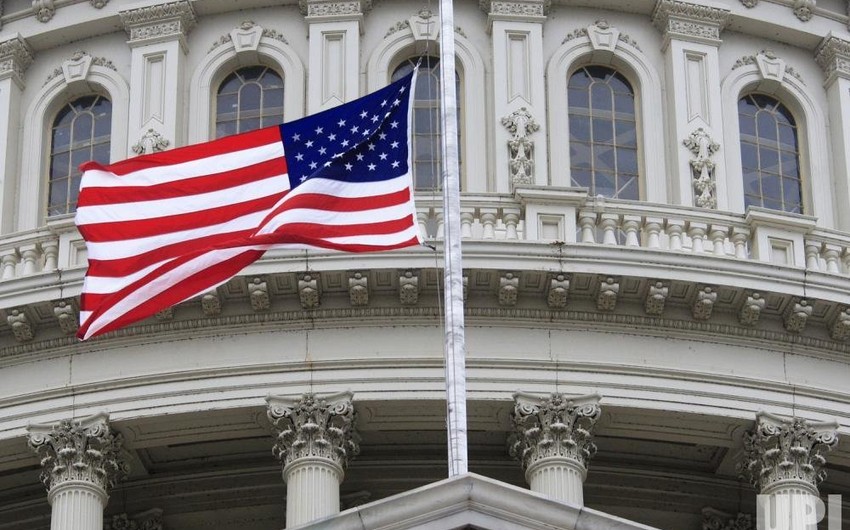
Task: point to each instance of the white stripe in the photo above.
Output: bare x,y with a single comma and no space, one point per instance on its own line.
378,239
133,247
134,211
109,285
184,170
351,190
313,216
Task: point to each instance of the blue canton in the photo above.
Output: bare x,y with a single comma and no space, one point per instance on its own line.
361,141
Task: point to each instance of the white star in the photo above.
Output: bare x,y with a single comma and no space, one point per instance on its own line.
296,137
396,163
364,114
375,118
322,150
402,89
299,157
319,130
394,125
348,166
396,102
355,129
302,179
383,156
394,145
382,136
344,143
337,155
371,147
359,156
341,123
372,167
384,103
313,165
332,137
309,143
365,132
327,164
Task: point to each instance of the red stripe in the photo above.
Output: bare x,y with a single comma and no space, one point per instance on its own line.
228,144
196,283
322,231
182,188
123,230
332,203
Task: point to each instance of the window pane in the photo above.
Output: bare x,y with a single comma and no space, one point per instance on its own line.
629,188
578,98
600,96
627,160
769,160
791,191
605,158
581,178
249,98
626,134
579,127
603,130
605,183
766,126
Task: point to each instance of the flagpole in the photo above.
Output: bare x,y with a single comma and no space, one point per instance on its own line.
455,345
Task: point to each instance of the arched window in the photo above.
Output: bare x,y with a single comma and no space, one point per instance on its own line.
80,132
426,120
770,154
248,99
603,138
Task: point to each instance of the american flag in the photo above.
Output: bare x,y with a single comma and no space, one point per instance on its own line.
165,227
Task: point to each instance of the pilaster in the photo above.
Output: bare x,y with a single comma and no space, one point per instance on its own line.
15,57
691,39
316,437
334,55
784,459
552,439
158,68
80,461
833,56
518,95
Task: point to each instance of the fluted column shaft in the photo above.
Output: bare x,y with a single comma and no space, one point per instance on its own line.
315,439
552,440
784,461
80,461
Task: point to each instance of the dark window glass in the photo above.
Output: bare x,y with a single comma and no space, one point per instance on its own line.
80,132
603,141
770,154
249,98
426,120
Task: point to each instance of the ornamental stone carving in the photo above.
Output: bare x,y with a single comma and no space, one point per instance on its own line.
690,21
338,10
559,291
43,10
840,327
408,288
779,450
656,297
67,317
247,36
314,427
704,303
833,56
308,290
77,67
520,123
358,289
159,22
716,520
804,9
148,520
508,289
258,292
78,450
16,56
751,310
553,426
606,298
22,329
771,66
796,316
151,142
702,149
98,4
211,303
750,3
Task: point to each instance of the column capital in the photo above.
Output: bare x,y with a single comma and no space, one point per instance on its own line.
334,10
159,23
784,451
679,19
16,56
554,426
314,427
515,10
84,450
833,56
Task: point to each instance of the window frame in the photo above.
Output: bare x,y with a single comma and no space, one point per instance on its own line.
217,94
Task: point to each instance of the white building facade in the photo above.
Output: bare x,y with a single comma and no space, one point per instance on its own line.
656,252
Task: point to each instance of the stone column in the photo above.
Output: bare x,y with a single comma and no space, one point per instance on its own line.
157,74
15,57
691,40
783,459
316,437
552,438
80,461
833,55
519,97
334,57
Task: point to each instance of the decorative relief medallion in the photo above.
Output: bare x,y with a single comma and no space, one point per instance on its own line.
702,149
804,9
84,450
150,142
783,449
314,427
553,426
520,123
43,10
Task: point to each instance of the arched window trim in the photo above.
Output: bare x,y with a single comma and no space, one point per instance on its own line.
399,47
245,84
223,60
646,83
811,135
56,93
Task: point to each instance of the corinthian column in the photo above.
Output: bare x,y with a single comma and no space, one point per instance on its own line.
80,461
315,439
552,439
783,459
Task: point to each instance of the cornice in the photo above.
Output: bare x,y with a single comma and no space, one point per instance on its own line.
678,19
515,10
330,10
159,23
16,56
833,56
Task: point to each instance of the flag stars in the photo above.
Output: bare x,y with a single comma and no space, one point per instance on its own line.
363,114
299,157
394,145
309,143
383,156
313,165
296,137
359,157
375,118
382,136
396,102
341,123
395,164
355,129
322,150
384,103
371,147
348,166
319,130
394,125
344,143
331,137
372,167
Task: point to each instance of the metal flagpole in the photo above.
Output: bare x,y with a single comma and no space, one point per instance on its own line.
453,273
